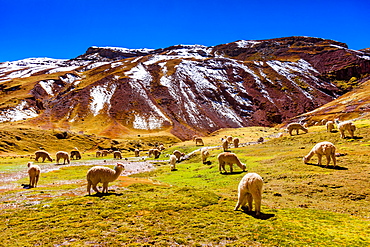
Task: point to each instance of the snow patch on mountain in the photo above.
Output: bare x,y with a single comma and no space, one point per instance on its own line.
152,119
246,43
62,69
140,73
164,80
287,70
224,111
125,50
101,96
21,112
70,78
143,122
47,86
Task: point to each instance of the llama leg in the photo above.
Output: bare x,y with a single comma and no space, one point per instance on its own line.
257,202
257,195
231,167
244,200
88,187
36,180
241,199
220,166
105,187
250,201
334,159
351,133
319,156
95,188
327,159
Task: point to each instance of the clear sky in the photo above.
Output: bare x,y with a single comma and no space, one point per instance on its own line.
66,28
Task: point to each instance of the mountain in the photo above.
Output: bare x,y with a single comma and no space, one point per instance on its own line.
183,89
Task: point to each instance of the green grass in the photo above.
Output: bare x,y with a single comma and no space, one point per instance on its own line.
302,204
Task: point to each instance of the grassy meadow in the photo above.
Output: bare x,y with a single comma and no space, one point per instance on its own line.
302,204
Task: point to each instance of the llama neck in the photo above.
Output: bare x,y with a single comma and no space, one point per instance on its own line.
118,171
238,162
310,154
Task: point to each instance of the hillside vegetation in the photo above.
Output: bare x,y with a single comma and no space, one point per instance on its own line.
302,204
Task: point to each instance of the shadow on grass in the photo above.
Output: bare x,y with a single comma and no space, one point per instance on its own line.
100,195
26,186
355,137
262,216
329,166
232,173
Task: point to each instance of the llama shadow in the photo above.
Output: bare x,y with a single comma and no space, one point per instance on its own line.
100,195
355,137
207,163
232,173
262,216
329,166
26,186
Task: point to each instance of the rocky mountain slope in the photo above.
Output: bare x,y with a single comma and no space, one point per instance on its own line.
184,89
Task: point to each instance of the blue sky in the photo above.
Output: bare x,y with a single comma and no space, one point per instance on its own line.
66,28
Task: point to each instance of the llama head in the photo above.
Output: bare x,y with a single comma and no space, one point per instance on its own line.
305,159
119,166
244,167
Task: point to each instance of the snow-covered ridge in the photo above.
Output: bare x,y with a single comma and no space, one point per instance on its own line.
124,50
35,61
26,67
246,43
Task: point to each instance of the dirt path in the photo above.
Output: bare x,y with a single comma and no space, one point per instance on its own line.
7,178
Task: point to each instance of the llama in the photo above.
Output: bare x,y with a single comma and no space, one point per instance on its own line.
117,155
347,126
297,127
322,148
98,154
137,152
179,155
62,155
75,154
161,147
156,153
249,189
172,162
42,154
199,141
104,153
236,142
34,174
225,145
205,154
104,175
329,126
227,158
229,139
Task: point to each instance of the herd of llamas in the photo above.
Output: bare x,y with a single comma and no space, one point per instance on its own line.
250,186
